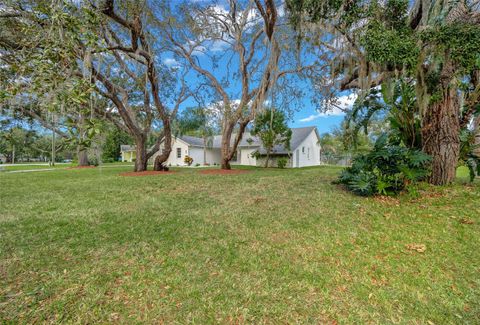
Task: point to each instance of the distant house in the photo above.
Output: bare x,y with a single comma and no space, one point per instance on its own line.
304,150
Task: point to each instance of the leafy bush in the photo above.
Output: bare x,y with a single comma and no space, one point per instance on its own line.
385,170
188,160
282,162
469,153
93,161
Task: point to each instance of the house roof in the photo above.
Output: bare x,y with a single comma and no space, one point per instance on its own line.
193,141
248,140
126,147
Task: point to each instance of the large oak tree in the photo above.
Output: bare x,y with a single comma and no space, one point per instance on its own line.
244,37
434,43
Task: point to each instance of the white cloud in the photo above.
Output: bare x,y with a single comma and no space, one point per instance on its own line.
218,46
336,108
281,10
171,62
346,101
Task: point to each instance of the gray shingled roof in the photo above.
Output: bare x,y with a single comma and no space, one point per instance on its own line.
248,140
126,147
299,134
193,141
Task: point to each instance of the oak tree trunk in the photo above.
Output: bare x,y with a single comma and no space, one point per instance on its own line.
227,152
141,154
167,147
440,137
82,156
226,138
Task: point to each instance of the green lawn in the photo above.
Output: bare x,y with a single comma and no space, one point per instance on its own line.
269,246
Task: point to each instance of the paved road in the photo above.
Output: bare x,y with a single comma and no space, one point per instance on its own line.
31,164
48,169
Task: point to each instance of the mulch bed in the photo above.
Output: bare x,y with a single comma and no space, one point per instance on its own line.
223,171
146,173
81,167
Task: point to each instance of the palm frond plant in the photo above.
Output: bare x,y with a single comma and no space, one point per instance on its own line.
386,170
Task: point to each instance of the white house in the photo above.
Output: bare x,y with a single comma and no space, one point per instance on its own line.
304,150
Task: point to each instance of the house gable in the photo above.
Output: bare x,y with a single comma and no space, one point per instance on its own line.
307,153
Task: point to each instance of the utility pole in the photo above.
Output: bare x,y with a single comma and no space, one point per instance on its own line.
53,140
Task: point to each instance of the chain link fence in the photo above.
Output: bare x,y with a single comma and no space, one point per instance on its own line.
336,160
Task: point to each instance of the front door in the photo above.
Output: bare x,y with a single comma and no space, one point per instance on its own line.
297,158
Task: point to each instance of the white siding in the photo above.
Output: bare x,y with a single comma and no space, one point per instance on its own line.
309,152
197,154
172,159
246,156
214,156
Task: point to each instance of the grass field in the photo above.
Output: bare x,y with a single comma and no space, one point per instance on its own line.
268,246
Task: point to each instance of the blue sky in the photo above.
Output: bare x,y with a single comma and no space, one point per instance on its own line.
324,123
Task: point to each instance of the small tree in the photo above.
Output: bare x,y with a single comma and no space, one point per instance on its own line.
272,129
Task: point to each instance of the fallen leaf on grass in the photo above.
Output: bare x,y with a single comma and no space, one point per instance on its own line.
466,221
387,200
417,247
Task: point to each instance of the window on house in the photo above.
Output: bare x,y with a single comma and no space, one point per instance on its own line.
308,153
179,152
303,149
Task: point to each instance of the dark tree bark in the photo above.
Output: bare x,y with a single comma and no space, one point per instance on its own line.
227,151
141,154
440,137
82,156
167,146
226,138
441,127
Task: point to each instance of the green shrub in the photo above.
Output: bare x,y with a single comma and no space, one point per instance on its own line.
468,153
188,160
385,170
93,161
282,162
